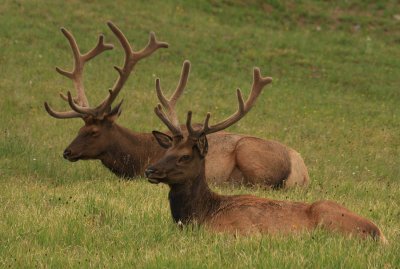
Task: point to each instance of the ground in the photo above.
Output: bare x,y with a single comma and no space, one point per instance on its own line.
335,98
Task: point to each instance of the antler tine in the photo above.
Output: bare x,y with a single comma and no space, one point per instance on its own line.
79,61
193,132
243,107
151,46
79,109
182,83
175,130
100,47
131,58
169,104
259,83
61,115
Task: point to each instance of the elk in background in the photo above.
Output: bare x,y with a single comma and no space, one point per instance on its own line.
124,152
183,168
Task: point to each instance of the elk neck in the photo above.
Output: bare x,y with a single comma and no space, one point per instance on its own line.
129,153
193,201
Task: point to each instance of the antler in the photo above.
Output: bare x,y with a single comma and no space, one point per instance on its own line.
131,58
243,107
171,120
76,75
80,106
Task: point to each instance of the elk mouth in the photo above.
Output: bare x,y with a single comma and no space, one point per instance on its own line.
73,158
153,181
70,156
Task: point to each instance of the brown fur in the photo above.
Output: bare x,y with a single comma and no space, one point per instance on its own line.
232,158
191,201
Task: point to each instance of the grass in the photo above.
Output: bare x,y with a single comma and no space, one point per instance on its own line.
335,98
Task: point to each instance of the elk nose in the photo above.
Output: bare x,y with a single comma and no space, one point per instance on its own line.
66,153
149,171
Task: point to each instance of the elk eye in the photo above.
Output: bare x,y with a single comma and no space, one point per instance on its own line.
184,158
94,133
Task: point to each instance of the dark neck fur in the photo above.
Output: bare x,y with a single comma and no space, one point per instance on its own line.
130,152
193,201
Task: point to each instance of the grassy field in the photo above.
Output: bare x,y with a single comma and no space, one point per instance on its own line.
335,98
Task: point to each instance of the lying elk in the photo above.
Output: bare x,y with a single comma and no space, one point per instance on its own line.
191,201
233,157
241,158
122,151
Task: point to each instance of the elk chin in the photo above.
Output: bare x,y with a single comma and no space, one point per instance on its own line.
156,178
153,181
73,158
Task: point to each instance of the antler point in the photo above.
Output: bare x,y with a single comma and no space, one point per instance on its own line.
186,64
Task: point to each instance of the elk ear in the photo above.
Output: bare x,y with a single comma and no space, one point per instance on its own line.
202,145
164,140
114,114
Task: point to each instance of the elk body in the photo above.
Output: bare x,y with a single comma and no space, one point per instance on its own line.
233,158
183,168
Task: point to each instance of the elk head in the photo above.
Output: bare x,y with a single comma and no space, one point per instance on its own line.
97,132
185,156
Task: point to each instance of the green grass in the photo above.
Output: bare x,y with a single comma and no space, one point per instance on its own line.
335,98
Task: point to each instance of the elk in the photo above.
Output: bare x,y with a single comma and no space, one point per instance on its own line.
240,158
183,169
233,158
124,152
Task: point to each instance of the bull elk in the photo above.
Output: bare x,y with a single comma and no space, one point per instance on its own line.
240,158
233,157
183,169
124,152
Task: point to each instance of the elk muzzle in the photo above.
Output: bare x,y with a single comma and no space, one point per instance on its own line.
67,154
154,175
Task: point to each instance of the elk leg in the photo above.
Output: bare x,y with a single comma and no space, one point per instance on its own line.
334,217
